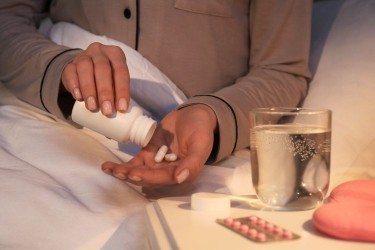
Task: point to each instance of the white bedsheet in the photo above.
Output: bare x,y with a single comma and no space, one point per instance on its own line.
53,194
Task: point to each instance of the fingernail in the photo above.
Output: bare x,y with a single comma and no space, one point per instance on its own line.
181,177
91,103
107,108
135,178
120,176
122,106
77,94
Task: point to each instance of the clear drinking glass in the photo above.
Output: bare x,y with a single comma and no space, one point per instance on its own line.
290,156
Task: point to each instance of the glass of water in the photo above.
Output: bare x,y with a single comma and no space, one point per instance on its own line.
290,156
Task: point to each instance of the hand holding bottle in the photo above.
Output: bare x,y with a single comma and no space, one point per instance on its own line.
100,77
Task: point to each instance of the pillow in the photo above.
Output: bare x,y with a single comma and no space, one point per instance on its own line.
349,213
342,61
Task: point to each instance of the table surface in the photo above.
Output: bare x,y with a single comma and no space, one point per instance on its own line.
172,224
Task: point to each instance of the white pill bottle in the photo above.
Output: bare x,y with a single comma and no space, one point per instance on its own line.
129,127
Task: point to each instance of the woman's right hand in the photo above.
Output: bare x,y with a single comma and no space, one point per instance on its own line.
99,76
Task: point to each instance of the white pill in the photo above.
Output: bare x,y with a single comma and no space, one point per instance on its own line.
170,157
161,153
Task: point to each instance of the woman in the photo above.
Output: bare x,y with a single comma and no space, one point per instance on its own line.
227,56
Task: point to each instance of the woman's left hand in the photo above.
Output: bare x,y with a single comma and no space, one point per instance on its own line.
188,133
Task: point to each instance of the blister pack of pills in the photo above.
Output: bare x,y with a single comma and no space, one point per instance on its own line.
256,229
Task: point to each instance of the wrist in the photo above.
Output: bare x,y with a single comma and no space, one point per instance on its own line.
209,112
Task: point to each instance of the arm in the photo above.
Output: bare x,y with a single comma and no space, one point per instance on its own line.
278,71
30,65
44,74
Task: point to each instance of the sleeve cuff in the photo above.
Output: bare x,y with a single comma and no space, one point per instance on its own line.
50,87
226,141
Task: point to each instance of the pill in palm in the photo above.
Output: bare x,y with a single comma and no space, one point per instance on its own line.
161,153
170,157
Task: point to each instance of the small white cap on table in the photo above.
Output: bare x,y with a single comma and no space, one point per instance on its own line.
210,202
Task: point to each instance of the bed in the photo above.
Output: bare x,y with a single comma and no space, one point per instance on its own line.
53,194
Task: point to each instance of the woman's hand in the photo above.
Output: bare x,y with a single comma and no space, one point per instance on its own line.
100,77
189,133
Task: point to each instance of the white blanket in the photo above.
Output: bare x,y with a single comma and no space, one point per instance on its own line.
53,194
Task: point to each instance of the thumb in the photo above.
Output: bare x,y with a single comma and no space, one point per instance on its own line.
187,170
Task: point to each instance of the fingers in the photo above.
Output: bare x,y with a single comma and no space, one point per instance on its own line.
145,171
164,173
140,174
86,81
100,77
120,76
70,81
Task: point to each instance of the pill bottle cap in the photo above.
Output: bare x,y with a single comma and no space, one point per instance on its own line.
142,130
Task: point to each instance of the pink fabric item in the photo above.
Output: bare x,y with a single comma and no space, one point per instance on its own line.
349,213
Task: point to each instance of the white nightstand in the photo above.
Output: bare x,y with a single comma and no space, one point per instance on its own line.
172,224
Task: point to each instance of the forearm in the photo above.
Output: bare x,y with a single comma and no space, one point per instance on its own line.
30,64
